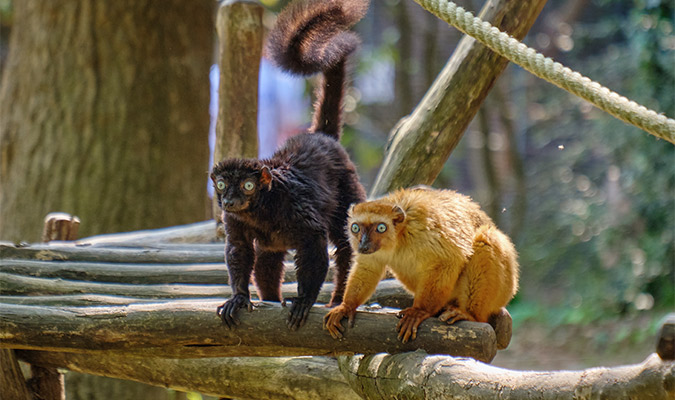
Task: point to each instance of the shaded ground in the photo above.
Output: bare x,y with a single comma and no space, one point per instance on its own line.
536,346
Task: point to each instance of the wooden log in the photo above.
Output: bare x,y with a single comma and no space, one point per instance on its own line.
65,251
420,143
204,273
191,329
420,376
198,232
26,285
75,300
211,273
389,292
279,378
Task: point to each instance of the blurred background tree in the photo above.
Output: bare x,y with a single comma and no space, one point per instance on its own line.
104,110
104,114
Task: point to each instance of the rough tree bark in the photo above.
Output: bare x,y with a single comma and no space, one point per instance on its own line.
105,114
197,232
191,329
420,376
278,378
420,143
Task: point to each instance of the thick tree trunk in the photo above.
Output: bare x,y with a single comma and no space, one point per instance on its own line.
419,376
420,144
105,114
278,378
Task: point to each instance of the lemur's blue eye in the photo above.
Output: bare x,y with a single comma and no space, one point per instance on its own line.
355,228
220,185
249,185
381,227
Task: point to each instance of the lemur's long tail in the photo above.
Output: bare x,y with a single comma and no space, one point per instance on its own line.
312,36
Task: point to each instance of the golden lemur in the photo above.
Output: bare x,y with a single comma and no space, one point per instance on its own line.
298,198
441,246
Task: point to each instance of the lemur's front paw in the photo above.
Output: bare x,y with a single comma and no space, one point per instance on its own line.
411,318
297,316
332,320
229,309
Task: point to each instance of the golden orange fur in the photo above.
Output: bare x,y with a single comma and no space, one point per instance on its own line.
441,246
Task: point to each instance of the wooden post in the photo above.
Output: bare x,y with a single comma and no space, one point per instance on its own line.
240,35
47,383
60,226
12,383
420,143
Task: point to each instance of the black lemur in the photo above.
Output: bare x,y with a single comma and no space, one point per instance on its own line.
298,198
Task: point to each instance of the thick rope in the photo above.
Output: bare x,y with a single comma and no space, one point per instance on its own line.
626,110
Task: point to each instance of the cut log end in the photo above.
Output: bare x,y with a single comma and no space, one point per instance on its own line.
502,323
60,226
665,345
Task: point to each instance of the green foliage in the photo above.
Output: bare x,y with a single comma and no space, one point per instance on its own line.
600,221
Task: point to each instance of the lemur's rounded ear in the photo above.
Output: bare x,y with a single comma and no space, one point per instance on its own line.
266,177
350,210
399,214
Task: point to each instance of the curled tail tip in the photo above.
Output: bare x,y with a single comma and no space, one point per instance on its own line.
311,36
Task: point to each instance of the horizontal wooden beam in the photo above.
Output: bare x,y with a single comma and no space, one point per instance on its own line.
116,253
21,289
204,273
198,232
191,329
132,273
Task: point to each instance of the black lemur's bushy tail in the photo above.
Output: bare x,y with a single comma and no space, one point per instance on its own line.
312,36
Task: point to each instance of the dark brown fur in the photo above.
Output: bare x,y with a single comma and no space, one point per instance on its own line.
299,198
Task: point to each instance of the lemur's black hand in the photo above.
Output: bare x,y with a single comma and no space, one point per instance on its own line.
229,309
298,313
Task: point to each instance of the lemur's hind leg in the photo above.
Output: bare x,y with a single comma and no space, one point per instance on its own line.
268,273
489,280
